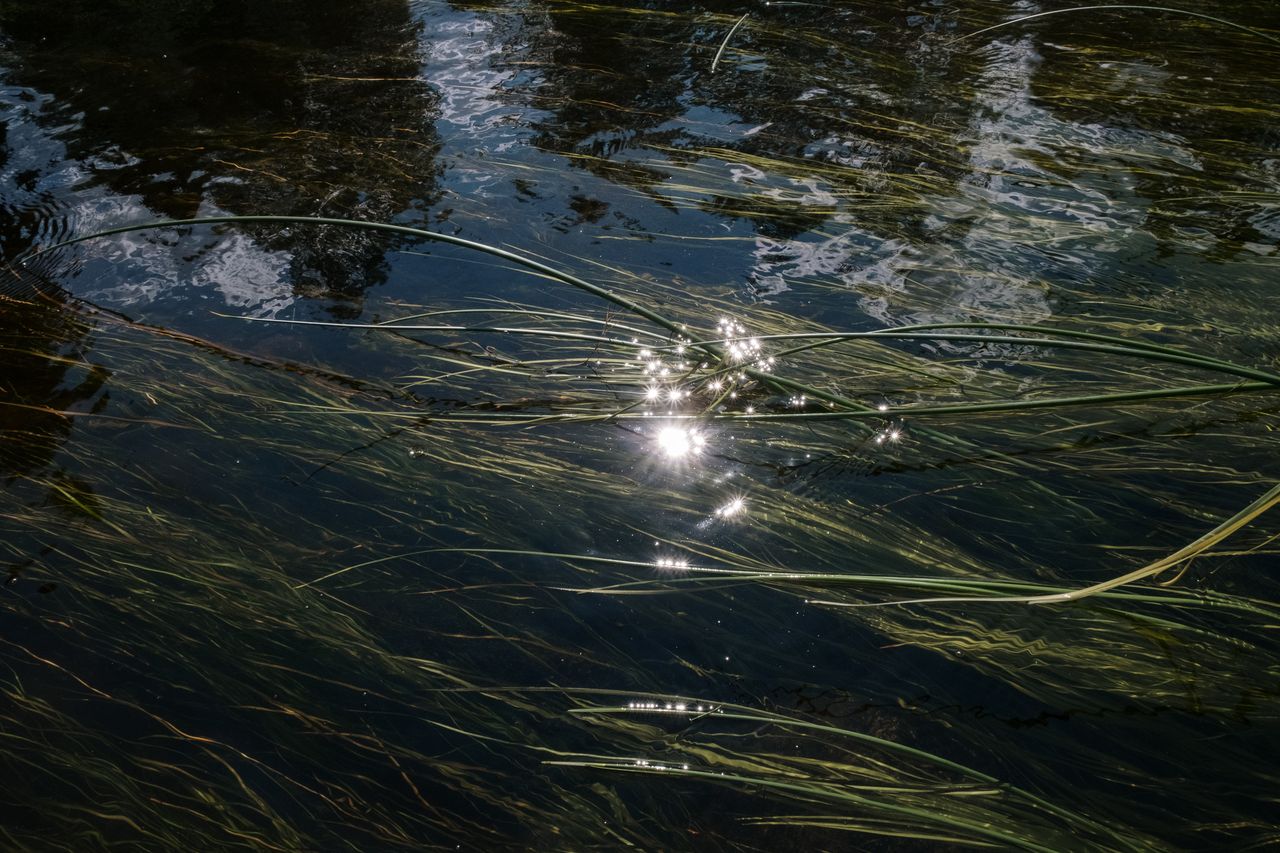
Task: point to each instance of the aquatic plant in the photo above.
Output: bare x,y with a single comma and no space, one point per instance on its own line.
594,552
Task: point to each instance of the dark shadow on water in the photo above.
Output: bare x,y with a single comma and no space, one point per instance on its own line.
46,375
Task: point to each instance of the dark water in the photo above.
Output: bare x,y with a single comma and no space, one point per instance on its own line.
300,588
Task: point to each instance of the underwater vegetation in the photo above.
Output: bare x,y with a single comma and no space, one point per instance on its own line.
886,466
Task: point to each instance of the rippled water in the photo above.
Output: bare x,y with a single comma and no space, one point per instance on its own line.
294,587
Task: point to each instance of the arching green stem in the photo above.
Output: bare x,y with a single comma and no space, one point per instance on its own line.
1120,6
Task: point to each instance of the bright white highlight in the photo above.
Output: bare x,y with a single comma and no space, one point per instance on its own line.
678,443
732,508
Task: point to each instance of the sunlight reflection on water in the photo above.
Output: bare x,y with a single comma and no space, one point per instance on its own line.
677,442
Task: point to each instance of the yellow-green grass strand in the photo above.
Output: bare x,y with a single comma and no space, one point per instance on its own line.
748,714
715,62
1012,405
823,791
1118,7
900,412
713,574
1166,354
706,576
1208,540
548,314
1116,340
416,327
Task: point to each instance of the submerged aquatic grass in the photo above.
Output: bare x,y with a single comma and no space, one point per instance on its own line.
676,373
444,572
565,375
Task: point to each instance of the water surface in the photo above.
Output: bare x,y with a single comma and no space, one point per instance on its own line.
297,587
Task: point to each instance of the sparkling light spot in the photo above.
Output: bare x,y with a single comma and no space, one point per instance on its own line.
732,508
670,564
679,443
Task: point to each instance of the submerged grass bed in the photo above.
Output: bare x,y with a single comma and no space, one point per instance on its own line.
472,569
841,450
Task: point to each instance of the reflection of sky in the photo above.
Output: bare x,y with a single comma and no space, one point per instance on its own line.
475,119
1022,223
711,124
485,68
984,248
132,270
52,185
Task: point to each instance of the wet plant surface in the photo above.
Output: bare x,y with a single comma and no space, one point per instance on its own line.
736,444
